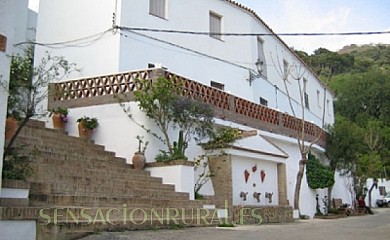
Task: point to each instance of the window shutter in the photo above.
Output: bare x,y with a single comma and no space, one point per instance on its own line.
157,8
215,25
3,43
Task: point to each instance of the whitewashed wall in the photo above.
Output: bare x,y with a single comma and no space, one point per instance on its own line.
117,132
307,201
5,20
13,25
80,25
18,230
179,175
193,56
343,188
239,53
375,194
254,184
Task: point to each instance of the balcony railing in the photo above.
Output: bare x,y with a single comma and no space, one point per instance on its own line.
101,89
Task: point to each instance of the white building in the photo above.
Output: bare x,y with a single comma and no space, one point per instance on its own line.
17,24
191,39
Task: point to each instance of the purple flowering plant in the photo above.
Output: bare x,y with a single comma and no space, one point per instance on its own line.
62,111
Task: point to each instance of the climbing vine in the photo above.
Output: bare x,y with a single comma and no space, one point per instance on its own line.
318,175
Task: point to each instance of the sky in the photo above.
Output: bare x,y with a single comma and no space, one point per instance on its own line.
316,16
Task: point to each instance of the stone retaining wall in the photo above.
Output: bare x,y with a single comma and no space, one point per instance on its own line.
259,215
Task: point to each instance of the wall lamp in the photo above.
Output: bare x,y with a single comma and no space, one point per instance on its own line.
253,75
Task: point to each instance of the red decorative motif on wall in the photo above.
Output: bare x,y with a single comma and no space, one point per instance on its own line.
262,175
254,168
246,175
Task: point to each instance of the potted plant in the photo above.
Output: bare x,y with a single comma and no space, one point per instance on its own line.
139,156
59,117
11,125
86,126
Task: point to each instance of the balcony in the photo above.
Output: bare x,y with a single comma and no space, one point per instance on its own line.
102,89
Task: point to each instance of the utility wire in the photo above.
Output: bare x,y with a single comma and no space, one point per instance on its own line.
191,51
88,40
79,42
251,34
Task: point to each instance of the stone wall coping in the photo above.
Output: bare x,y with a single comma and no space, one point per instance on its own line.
170,163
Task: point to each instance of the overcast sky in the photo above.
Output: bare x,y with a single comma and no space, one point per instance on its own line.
303,16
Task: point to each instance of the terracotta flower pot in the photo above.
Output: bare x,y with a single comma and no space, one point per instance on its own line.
139,160
84,132
11,125
58,122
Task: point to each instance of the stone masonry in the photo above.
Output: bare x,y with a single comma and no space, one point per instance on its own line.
78,188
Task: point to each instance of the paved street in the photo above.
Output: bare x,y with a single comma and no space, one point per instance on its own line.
368,227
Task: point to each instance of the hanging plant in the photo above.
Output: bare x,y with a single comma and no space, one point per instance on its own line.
318,175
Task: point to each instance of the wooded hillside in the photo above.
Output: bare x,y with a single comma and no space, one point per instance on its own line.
359,141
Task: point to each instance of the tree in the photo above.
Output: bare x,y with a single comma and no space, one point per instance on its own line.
161,100
344,146
326,63
364,96
357,150
296,72
28,86
370,161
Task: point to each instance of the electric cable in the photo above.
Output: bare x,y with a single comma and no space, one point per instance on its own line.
252,34
79,42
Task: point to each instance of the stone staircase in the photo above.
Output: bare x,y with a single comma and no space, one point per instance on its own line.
78,188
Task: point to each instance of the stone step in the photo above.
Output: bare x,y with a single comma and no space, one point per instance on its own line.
124,189
35,123
154,199
16,193
19,184
48,156
76,174
89,160
61,146
58,138
15,202
69,171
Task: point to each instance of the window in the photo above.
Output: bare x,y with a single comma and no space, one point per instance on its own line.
263,101
261,55
304,84
3,43
215,25
382,190
157,8
328,106
286,70
218,85
319,98
151,65
305,93
307,101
